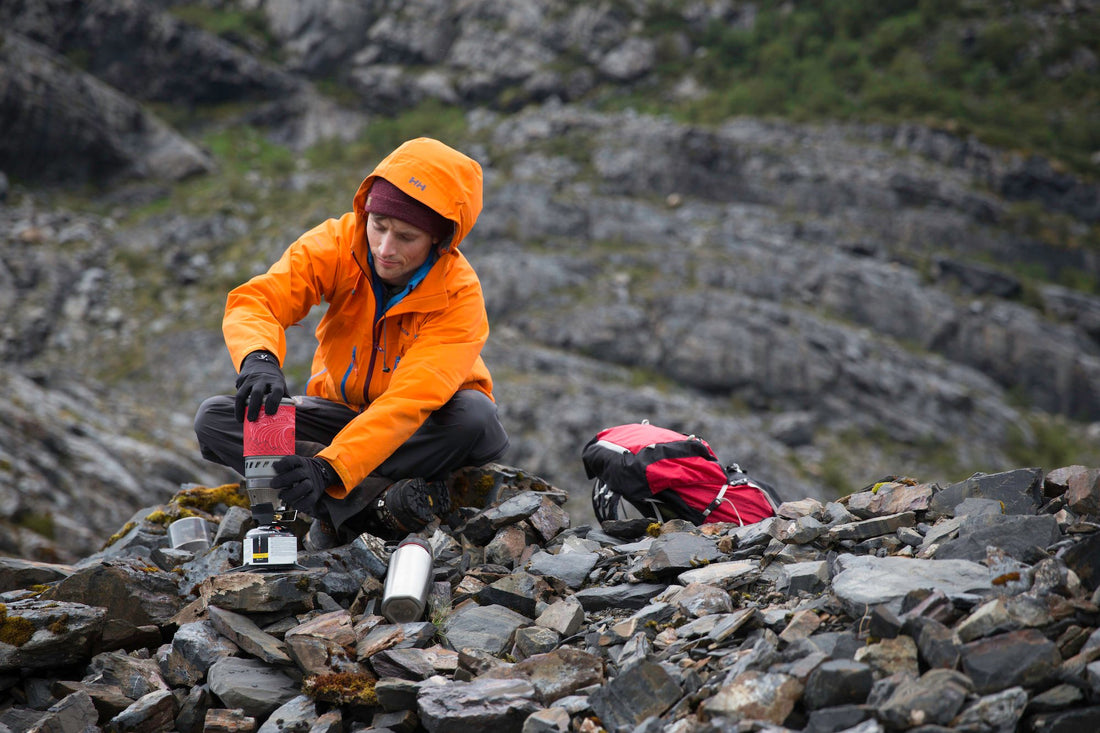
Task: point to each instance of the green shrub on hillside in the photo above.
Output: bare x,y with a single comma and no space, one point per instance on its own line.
1015,74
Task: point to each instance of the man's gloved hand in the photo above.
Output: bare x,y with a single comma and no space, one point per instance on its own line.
261,382
302,480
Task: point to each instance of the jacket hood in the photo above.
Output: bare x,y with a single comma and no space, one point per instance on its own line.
436,175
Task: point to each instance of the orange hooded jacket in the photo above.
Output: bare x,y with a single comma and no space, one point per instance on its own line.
396,365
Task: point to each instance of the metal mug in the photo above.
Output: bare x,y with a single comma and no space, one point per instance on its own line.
190,534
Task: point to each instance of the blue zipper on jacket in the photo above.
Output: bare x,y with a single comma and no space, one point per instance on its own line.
382,305
347,376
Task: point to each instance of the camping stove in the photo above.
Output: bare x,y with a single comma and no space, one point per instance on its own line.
270,544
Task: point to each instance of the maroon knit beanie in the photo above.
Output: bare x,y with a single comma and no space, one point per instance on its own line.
386,199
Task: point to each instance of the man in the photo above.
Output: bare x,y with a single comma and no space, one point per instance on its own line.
399,395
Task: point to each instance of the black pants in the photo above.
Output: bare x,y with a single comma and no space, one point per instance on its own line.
466,431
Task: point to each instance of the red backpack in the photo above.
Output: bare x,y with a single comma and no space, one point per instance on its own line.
665,474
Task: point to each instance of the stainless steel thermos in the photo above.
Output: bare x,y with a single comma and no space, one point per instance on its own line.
408,580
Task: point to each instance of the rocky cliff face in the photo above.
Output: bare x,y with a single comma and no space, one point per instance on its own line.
824,303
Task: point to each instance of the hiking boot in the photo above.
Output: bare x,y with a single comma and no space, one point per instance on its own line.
410,504
321,536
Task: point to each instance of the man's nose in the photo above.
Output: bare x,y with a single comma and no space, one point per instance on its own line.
386,244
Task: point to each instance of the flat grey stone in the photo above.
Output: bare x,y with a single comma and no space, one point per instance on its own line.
862,581
19,573
636,693
1025,658
572,568
1014,533
251,685
244,632
486,628
1019,490
48,643
725,575
803,577
482,704
618,596
676,552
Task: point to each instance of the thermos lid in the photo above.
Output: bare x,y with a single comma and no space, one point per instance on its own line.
420,541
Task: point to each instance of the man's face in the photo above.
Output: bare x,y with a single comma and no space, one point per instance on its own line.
398,248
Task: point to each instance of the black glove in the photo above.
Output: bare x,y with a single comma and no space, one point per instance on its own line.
302,480
261,381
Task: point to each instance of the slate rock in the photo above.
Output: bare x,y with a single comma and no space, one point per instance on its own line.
803,577
19,573
549,519
697,599
548,720
39,634
414,663
555,674
233,526
937,645
997,711
532,640
972,505
1066,721
636,693
481,527
259,592
571,568
1083,558
219,559
132,590
1082,492
74,712
675,552
479,705
153,712
840,718
396,693
296,715
194,647
898,497
863,581
324,644
256,688
870,528
932,699
726,575
890,656
487,628
624,595
755,695
801,531
1019,490
837,682
1013,533
244,632
134,676
1024,657
193,706
508,545
519,591
107,699
564,616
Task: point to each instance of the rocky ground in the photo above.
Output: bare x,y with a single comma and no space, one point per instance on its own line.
906,606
